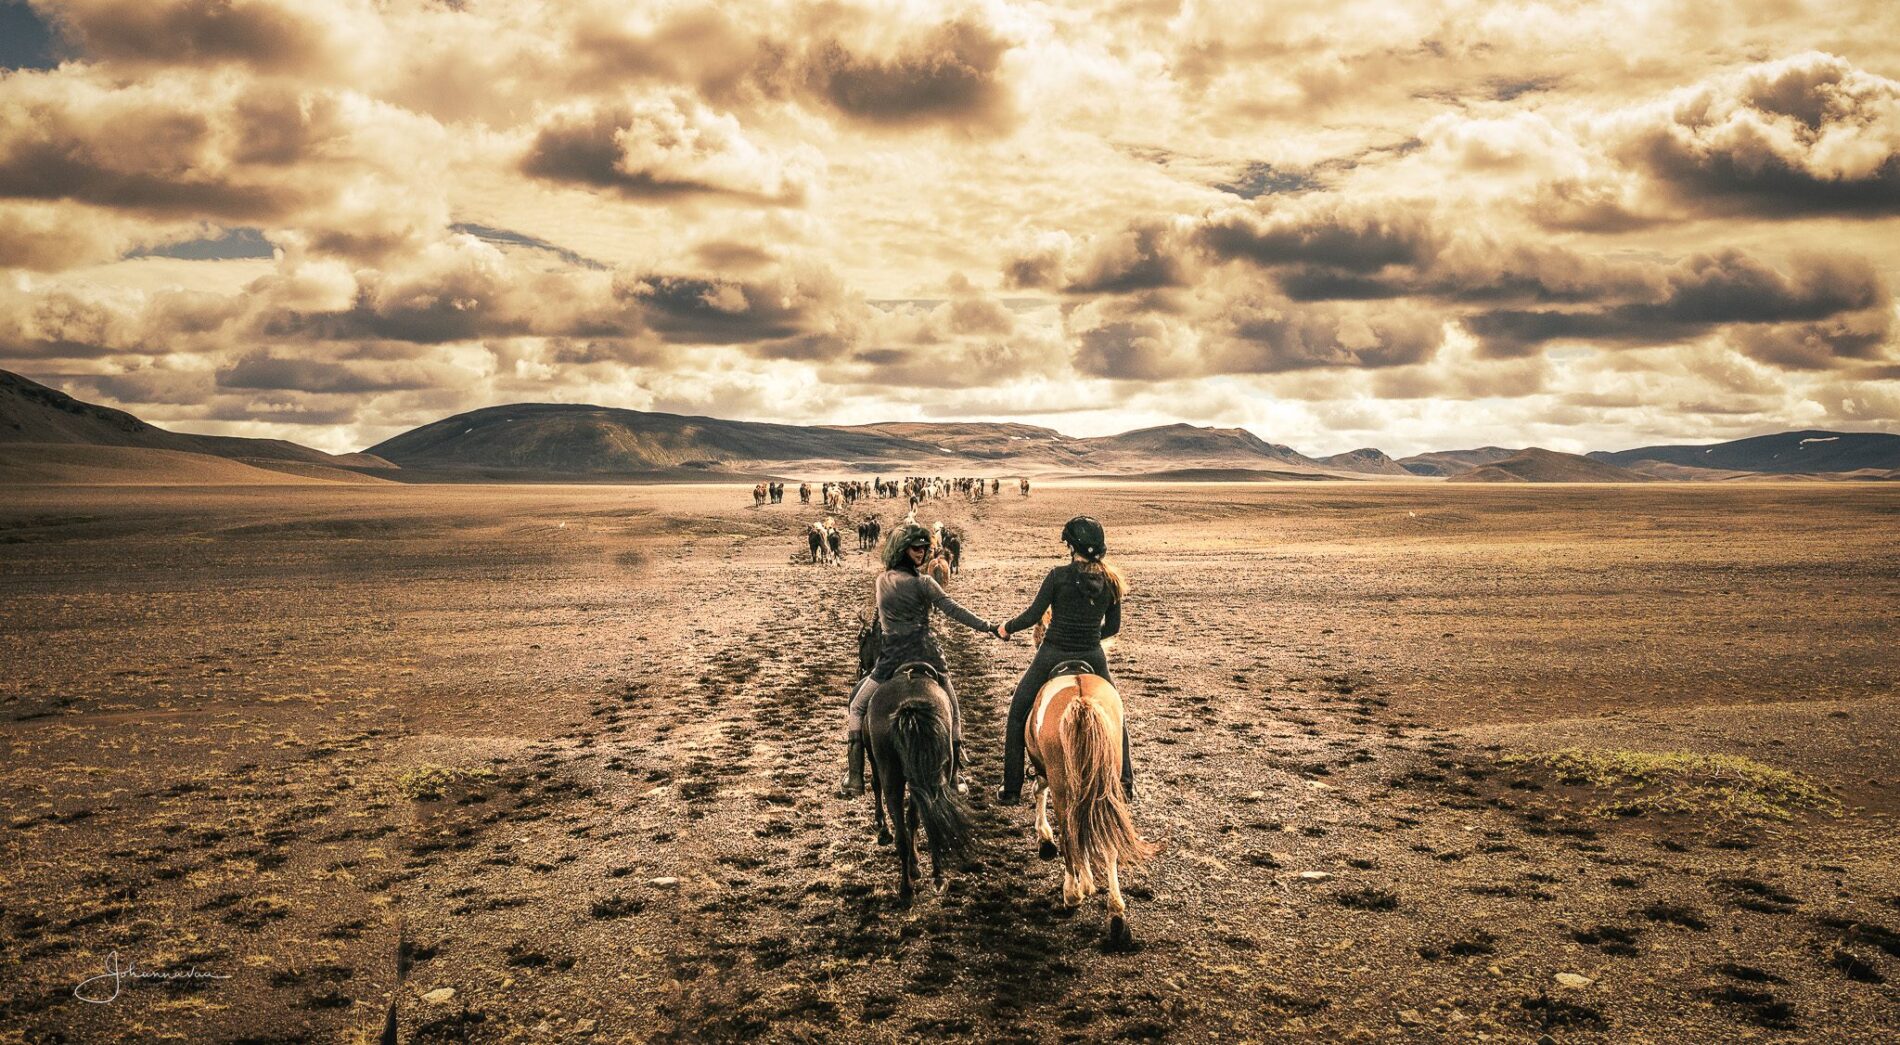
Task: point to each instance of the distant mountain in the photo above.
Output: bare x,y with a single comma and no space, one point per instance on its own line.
567,439
1785,453
1205,447
1367,461
32,414
1452,462
556,442
564,439
1537,465
979,440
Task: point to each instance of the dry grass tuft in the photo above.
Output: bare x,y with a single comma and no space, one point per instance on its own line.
429,781
1640,782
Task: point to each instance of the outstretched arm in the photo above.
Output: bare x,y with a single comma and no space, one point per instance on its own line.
1030,616
942,600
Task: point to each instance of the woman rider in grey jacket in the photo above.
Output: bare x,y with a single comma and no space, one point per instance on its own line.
904,599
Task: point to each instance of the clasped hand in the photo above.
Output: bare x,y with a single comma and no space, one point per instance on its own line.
1002,633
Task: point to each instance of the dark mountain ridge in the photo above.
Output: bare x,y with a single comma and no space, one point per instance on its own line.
1783,453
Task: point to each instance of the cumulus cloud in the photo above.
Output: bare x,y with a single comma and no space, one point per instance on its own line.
660,146
1147,256
1806,134
950,73
1698,294
270,36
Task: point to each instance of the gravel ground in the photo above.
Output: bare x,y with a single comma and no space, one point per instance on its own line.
632,697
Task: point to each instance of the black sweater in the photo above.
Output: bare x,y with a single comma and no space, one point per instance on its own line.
1086,609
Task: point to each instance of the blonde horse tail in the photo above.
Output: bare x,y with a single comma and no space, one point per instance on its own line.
1098,826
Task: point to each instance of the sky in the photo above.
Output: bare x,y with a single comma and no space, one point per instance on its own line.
1410,224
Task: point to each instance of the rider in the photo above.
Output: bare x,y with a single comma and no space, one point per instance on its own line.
904,598
1086,594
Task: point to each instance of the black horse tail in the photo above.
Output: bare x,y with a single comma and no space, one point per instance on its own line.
922,739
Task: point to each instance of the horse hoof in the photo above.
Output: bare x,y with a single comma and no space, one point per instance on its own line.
1119,938
1048,850
883,838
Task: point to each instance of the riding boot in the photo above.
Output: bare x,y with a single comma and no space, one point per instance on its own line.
957,765
1128,771
853,785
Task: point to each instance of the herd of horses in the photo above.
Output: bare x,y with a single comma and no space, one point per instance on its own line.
835,496
825,542
1073,739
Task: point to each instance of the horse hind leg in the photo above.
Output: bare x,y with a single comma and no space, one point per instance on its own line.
883,828
1118,935
906,854
1043,830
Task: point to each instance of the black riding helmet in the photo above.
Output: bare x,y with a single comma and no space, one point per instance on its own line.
1084,535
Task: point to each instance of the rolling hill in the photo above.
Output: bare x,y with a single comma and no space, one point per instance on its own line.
1451,462
35,419
1366,461
591,440
1537,465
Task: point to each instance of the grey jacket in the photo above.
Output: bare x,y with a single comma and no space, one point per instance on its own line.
904,600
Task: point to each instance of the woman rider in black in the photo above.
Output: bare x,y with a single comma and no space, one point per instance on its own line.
904,598
1086,595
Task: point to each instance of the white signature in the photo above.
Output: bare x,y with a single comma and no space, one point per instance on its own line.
117,977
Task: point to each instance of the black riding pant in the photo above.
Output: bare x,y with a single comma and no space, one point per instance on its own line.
1024,702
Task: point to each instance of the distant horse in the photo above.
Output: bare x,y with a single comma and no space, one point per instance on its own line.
758,495
818,537
836,543
804,493
953,549
907,736
868,532
1073,737
1024,487
937,568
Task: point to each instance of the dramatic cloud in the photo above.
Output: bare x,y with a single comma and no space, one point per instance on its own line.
663,146
951,73
1809,134
1700,293
266,35
1410,226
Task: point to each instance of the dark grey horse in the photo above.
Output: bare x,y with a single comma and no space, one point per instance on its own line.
907,735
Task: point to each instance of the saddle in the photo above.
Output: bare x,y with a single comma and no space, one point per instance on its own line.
1072,667
915,667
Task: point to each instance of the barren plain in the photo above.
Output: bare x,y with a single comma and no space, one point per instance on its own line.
430,764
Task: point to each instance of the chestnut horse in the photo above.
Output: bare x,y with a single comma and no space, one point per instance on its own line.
1074,739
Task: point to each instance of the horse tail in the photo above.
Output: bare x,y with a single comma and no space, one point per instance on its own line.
1098,826
922,739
